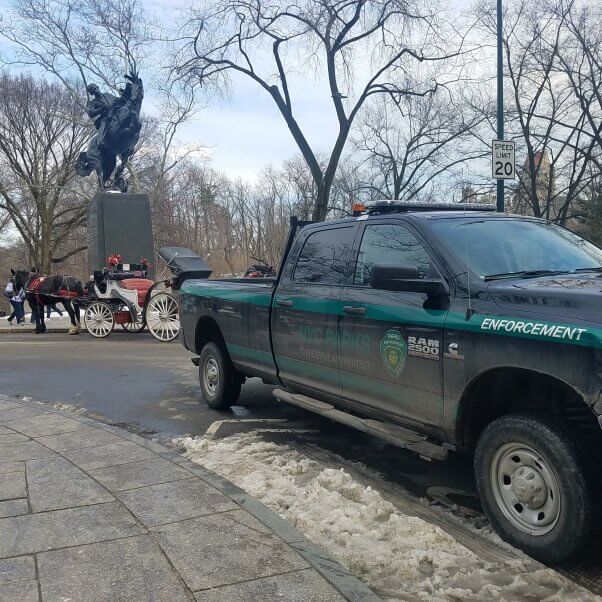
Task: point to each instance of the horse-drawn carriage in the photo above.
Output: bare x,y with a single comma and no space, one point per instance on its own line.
122,294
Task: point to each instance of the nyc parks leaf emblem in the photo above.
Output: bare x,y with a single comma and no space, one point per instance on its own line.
394,352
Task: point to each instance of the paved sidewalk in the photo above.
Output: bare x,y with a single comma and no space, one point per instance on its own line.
91,512
54,324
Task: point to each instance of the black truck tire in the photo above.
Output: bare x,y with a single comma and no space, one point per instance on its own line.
533,483
220,381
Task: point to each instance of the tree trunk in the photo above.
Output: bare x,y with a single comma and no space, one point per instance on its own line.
321,205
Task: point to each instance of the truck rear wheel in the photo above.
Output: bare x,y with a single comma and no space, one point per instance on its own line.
533,485
220,381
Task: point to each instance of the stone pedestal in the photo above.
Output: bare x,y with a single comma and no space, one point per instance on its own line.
120,223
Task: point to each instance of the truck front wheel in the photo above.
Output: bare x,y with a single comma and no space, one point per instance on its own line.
220,381
533,485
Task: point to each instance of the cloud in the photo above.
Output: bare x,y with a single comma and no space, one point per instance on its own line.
247,132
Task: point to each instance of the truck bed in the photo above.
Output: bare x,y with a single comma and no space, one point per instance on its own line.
240,307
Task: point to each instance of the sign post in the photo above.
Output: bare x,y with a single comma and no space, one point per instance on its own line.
500,94
503,165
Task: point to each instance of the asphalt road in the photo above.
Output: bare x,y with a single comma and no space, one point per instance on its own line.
128,378
152,387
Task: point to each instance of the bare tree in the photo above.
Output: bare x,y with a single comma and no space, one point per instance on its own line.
580,60
590,210
414,147
79,42
41,136
268,41
543,115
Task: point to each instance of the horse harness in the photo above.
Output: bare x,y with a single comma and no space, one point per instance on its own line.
33,287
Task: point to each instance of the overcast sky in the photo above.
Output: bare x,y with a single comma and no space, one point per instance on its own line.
246,131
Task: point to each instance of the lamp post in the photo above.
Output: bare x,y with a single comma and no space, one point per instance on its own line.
500,98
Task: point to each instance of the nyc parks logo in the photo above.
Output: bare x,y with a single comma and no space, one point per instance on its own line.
394,352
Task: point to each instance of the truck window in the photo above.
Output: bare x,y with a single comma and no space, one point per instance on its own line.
500,245
325,255
392,244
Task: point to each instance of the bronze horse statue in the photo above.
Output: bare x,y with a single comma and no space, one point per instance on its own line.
117,121
47,290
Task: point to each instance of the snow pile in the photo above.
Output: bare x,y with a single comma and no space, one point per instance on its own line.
400,557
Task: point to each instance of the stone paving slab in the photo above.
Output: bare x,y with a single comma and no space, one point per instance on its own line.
139,474
12,438
127,569
33,533
11,467
21,568
22,591
4,430
67,493
13,507
52,468
205,560
22,412
299,586
109,454
26,450
91,512
176,501
44,424
83,437
12,485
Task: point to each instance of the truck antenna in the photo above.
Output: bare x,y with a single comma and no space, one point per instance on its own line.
469,310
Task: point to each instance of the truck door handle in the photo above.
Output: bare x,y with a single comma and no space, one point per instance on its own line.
354,311
284,302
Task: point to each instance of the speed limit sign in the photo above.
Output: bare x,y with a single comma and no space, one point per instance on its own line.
502,160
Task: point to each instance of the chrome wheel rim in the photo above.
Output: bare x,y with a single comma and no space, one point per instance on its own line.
211,376
162,317
99,320
525,489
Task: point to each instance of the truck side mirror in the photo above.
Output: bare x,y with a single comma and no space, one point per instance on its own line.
405,279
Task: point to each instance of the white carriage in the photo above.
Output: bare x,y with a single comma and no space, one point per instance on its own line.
123,295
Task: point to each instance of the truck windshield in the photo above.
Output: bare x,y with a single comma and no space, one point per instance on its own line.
503,247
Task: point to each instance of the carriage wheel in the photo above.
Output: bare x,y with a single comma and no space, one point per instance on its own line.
162,317
99,320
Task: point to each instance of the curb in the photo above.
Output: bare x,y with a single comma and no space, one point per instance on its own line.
338,576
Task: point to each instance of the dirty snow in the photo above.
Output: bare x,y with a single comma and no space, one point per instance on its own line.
401,557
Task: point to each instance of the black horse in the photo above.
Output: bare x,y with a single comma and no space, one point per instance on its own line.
46,290
117,120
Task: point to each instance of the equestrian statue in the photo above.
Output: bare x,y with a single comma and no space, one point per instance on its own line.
117,123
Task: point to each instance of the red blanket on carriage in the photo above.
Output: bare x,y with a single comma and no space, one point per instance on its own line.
140,285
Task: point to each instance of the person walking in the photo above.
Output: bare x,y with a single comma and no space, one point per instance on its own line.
17,300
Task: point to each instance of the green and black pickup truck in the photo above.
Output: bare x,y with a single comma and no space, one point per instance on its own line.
437,328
